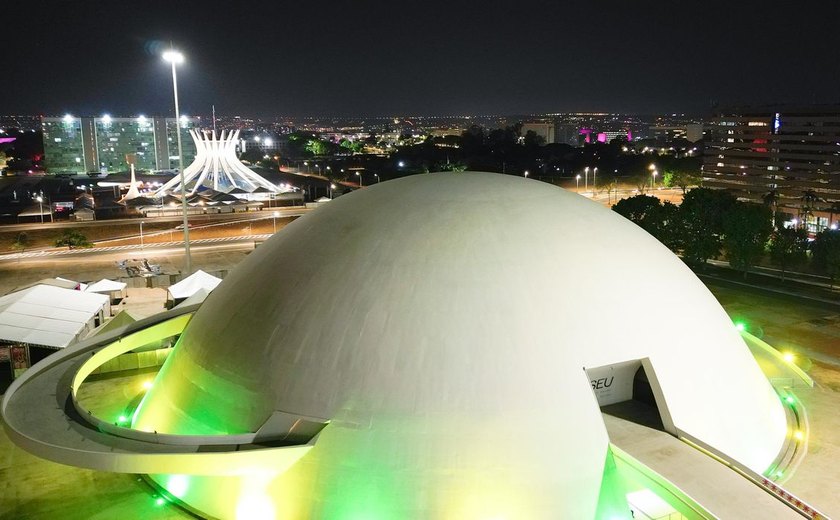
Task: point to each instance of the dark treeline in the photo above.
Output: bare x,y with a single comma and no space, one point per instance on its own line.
712,224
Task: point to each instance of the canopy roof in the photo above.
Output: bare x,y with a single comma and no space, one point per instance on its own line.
105,286
47,315
192,284
197,297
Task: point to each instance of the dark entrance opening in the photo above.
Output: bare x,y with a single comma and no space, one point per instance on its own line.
5,375
641,408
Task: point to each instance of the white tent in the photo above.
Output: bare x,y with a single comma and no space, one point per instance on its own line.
192,284
105,286
198,297
49,316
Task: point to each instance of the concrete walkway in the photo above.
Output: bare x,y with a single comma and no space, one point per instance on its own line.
720,490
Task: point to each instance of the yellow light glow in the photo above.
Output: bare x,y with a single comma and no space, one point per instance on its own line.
178,485
255,506
788,357
147,385
798,435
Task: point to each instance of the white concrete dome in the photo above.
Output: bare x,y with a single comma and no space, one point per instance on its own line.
442,324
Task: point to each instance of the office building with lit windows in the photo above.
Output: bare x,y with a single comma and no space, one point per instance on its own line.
786,156
100,144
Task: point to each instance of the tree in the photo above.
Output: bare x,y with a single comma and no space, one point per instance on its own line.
640,209
352,146
833,209
658,219
532,139
771,200
317,147
72,238
3,162
826,253
607,183
641,180
473,139
21,241
702,213
670,231
683,179
746,229
809,200
452,167
251,155
788,248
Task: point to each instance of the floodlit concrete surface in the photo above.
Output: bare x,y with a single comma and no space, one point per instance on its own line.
817,479
36,489
716,487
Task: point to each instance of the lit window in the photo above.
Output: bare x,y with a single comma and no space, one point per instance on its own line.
57,139
720,165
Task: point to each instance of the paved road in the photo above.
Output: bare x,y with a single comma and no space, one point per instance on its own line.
295,211
157,248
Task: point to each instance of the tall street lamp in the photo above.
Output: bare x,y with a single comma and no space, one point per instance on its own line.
653,178
40,200
141,235
577,183
361,182
175,58
526,174
377,178
274,219
594,179
586,179
332,187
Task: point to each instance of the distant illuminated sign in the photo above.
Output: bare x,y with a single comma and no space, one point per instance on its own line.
777,122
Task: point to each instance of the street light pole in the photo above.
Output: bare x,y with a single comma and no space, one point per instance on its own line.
174,57
274,220
594,179
586,179
653,179
141,235
577,183
332,187
40,207
361,182
377,178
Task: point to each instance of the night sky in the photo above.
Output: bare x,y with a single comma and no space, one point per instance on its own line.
367,58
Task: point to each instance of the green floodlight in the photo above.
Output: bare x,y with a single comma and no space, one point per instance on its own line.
160,502
122,419
789,399
740,327
778,474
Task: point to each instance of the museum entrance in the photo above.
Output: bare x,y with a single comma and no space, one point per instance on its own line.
629,390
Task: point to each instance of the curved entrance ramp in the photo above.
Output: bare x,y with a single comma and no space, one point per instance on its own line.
720,490
58,429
